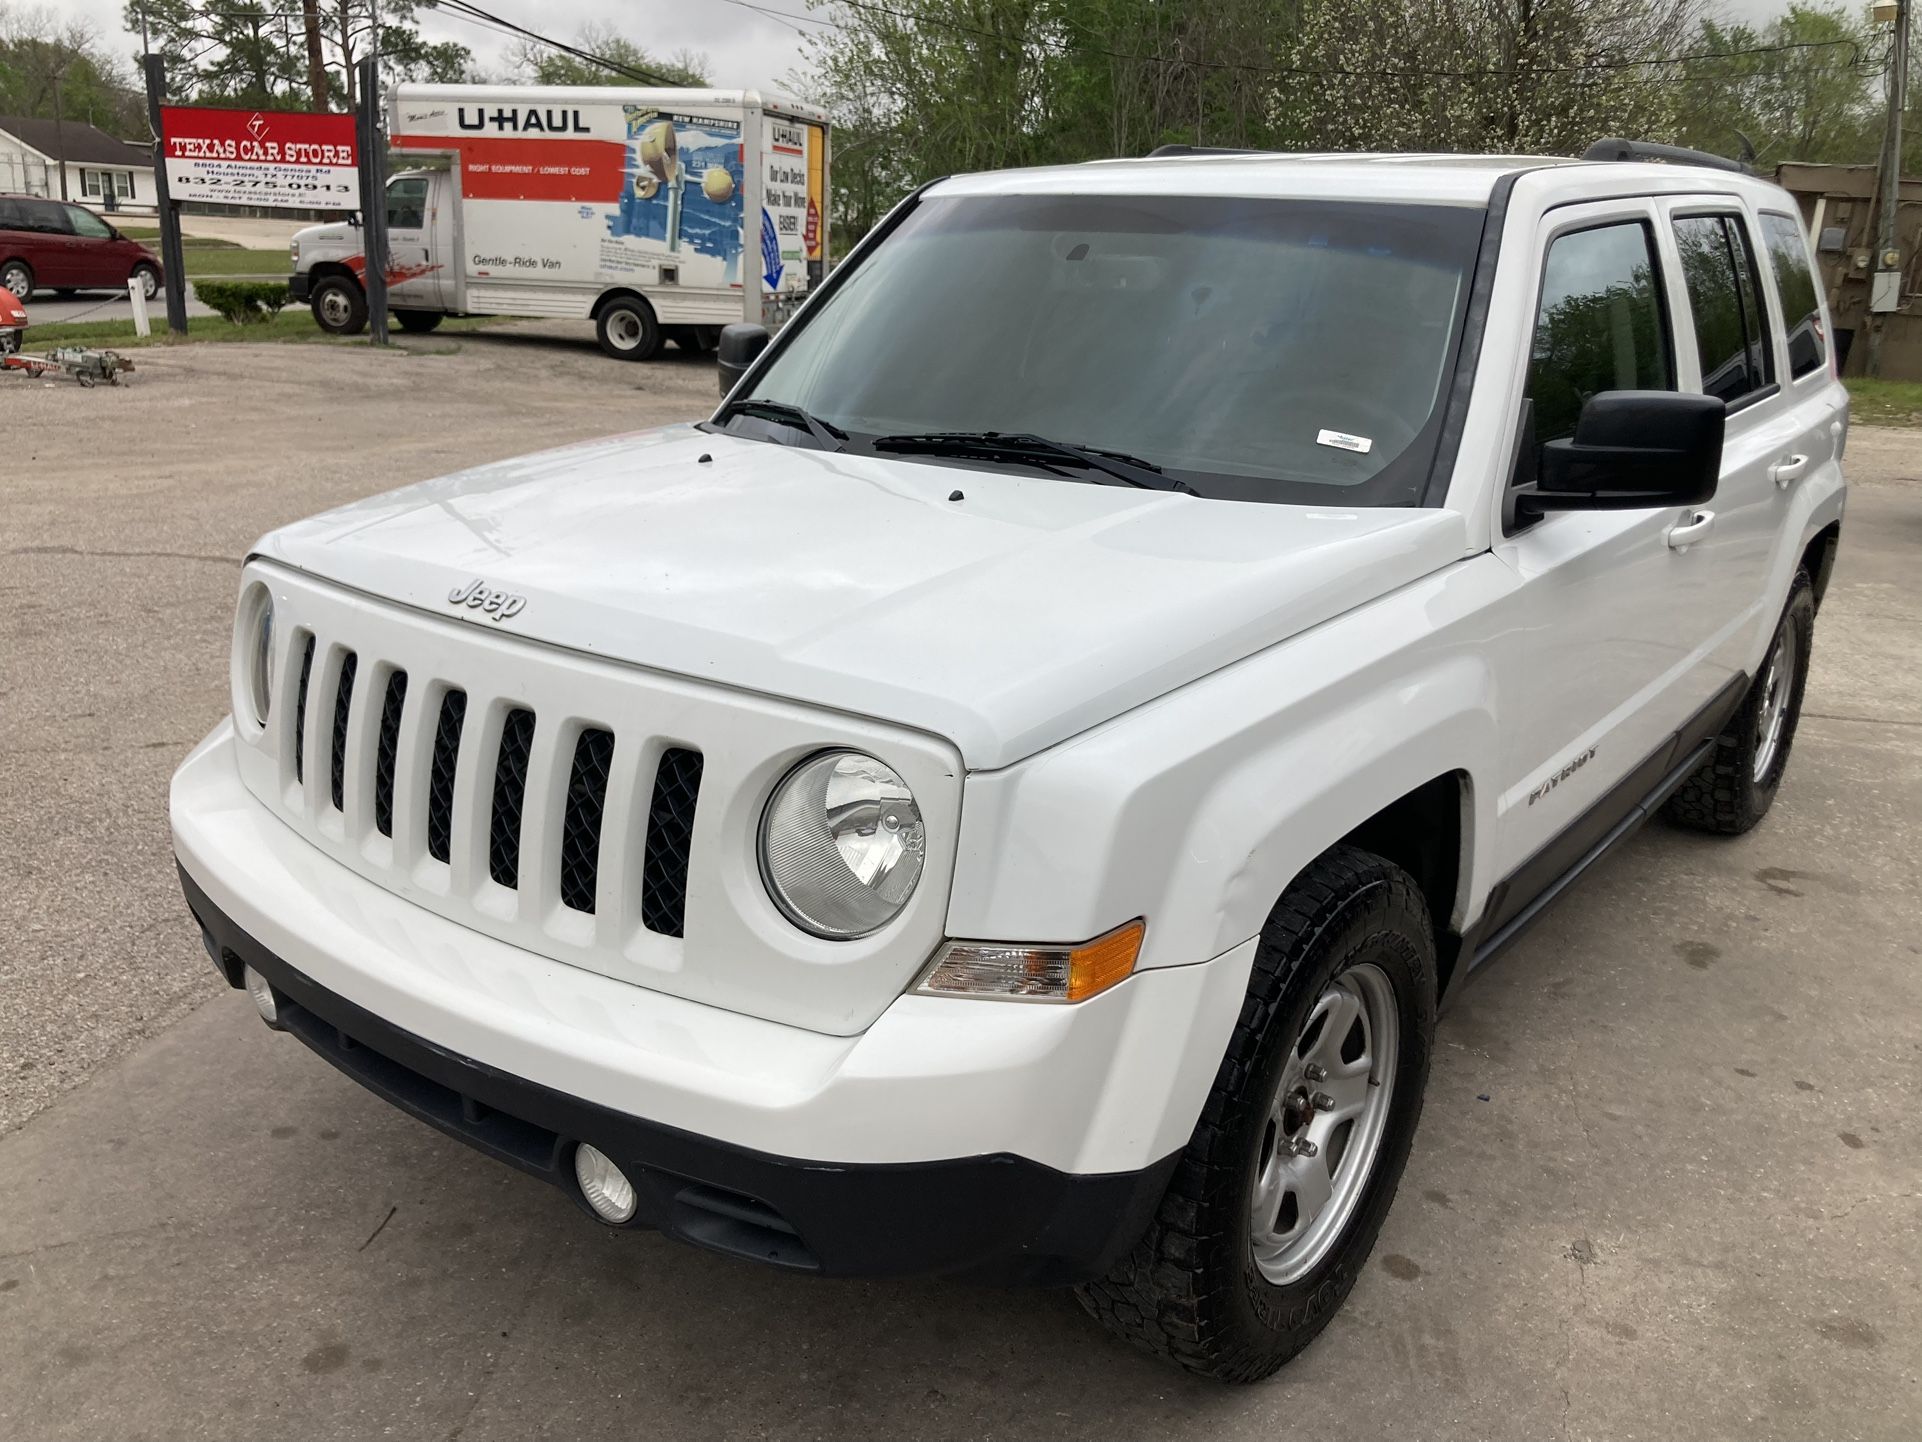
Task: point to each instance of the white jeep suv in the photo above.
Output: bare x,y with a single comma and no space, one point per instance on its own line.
1007,796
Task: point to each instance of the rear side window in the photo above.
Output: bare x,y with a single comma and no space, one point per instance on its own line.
1601,325
44,215
1725,302
10,217
1801,306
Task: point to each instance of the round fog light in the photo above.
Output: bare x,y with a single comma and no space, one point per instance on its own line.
263,995
606,1187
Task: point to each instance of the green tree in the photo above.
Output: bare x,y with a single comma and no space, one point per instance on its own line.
1803,87
41,54
540,64
254,52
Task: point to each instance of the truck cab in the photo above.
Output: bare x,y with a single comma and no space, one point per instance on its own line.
1009,794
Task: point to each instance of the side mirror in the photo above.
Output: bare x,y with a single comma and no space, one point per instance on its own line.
1632,450
740,346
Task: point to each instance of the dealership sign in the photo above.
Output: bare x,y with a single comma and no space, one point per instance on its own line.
260,157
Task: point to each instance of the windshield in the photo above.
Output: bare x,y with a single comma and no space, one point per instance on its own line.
1266,350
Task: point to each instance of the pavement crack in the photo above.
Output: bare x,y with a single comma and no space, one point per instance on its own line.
92,553
537,1273
1872,1197
378,1230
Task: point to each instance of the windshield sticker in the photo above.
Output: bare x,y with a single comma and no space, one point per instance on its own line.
1342,441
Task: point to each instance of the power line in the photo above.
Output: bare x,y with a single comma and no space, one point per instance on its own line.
633,72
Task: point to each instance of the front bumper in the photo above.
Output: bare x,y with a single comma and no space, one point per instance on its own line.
991,1140
300,286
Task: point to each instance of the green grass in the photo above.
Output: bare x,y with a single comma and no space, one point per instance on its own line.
292,324
1885,403
218,261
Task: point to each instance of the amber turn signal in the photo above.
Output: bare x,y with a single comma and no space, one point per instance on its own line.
1035,973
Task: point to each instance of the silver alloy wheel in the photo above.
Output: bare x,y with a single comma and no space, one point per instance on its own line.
16,281
335,307
1778,685
624,330
1325,1124
149,282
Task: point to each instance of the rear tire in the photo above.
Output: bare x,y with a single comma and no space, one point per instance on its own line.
17,276
1242,1266
696,339
627,330
418,322
1735,787
339,305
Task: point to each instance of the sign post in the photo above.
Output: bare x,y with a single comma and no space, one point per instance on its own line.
171,260
373,200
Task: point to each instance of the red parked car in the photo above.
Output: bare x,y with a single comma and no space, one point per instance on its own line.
51,245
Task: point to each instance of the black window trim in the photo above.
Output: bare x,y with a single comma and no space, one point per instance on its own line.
1822,367
1521,466
1734,208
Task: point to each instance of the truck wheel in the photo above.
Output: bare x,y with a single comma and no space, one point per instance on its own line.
1735,787
627,330
1277,1201
418,322
696,339
339,306
17,277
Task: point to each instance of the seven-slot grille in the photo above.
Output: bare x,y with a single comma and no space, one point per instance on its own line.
509,789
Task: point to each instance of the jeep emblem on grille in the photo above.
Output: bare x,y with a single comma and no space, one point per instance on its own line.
477,595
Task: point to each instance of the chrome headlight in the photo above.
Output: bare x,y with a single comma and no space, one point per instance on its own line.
842,845
254,651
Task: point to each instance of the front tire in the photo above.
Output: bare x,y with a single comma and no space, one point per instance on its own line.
339,305
1735,787
627,330
1284,1186
149,279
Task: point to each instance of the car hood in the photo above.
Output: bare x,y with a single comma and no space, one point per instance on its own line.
1003,611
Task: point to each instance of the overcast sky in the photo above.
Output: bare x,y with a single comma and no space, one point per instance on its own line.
744,47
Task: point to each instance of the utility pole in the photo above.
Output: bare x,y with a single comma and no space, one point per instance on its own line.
171,259
1885,286
59,133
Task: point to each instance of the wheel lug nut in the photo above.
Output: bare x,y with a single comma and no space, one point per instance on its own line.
1315,1071
1323,1102
1304,1147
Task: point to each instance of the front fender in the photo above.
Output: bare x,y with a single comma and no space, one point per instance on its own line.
1197,810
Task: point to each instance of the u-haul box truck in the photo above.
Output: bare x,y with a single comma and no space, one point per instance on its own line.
658,214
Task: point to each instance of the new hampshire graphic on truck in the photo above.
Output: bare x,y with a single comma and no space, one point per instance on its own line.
658,214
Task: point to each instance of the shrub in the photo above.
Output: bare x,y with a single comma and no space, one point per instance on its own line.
243,301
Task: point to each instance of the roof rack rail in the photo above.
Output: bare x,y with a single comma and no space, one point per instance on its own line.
1162,151
1615,148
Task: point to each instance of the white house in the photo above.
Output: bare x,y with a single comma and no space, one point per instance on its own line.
101,172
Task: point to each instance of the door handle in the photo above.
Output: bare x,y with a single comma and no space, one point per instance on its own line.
1690,531
1788,470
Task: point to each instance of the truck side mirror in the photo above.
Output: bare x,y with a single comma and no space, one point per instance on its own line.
1632,450
740,346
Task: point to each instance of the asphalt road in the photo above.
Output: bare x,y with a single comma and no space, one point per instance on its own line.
1668,1183
91,305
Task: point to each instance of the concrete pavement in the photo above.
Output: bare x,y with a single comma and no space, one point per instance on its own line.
1668,1183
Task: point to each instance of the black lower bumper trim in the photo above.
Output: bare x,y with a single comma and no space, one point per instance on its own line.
998,1219
300,287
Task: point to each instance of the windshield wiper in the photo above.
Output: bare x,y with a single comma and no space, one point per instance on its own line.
1015,445
827,435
